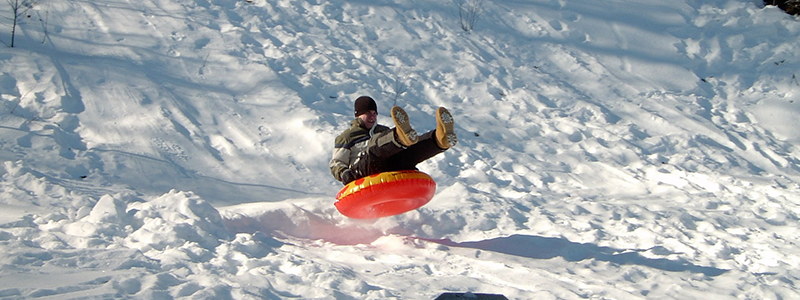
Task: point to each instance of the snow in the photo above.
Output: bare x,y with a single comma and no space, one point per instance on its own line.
178,149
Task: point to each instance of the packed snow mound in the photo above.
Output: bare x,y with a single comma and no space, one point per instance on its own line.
179,149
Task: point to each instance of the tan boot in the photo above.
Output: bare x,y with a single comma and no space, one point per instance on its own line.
406,135
445,133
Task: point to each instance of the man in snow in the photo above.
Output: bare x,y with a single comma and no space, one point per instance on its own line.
368,148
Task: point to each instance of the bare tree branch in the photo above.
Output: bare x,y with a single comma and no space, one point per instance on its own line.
19,9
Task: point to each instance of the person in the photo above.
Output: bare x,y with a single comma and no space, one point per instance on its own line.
368,148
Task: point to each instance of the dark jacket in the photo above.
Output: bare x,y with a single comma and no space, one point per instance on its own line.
350,144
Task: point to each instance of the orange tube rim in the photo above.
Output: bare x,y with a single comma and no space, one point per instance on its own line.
385,194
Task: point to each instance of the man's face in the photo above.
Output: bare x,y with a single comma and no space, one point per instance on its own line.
369,118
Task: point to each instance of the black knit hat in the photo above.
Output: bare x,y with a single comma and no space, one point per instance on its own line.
364,104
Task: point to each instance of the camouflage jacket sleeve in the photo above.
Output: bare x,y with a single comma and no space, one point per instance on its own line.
339,162
342,152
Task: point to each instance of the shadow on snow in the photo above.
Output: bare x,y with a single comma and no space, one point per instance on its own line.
547,247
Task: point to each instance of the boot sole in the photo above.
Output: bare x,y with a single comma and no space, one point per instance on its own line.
445,132
407,136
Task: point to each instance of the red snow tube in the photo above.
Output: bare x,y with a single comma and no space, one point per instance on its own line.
385,194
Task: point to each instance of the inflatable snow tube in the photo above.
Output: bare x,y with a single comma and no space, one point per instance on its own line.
385,194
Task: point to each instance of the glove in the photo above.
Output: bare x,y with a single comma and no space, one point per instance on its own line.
348,176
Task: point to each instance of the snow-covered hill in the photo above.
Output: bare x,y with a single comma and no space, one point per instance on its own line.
616,150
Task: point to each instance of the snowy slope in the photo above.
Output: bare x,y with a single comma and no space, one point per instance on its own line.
178,149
